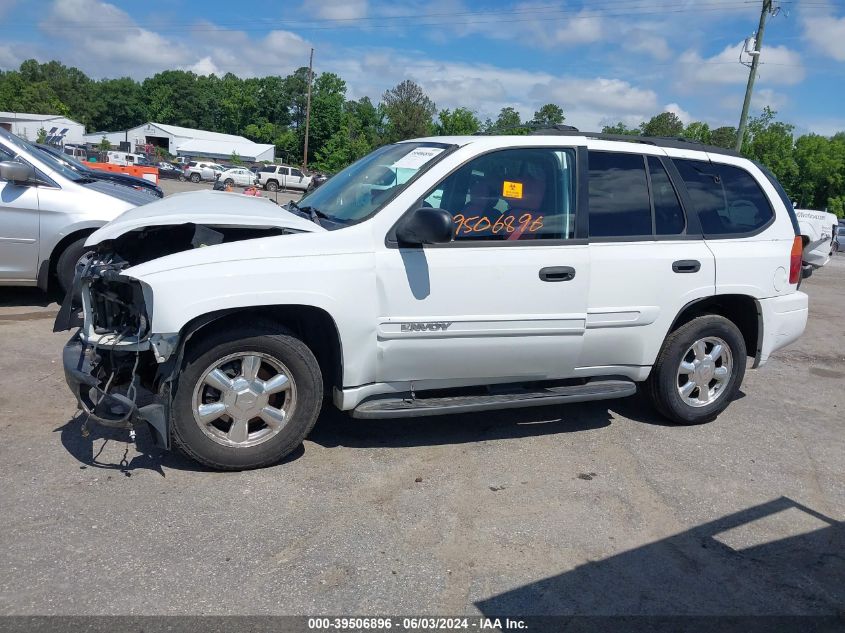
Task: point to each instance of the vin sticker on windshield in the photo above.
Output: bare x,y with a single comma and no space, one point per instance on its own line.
417,158
511,189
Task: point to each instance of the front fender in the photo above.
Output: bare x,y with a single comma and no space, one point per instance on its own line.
341,285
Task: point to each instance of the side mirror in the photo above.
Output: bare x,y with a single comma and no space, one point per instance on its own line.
426,225
18,173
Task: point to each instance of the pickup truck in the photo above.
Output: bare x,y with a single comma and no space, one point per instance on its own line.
438,276
276,177
819,228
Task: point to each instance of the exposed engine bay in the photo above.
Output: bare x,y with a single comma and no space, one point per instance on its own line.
117,372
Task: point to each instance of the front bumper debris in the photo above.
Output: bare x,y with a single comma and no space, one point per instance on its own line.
116,406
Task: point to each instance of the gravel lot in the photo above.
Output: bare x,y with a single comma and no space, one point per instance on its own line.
596,508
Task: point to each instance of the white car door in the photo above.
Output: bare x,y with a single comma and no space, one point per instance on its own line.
19,223
648,260
506,300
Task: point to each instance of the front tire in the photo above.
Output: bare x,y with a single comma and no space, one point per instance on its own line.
66,264
698,371
195,178
272,186
228,183
246,398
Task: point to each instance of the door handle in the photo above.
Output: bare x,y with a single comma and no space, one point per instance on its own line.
686,266
557,273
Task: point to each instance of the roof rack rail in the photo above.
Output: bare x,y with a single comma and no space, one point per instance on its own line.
675,142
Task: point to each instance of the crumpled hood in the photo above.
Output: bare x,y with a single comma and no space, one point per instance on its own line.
210,208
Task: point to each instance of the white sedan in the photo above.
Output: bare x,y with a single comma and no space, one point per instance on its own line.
237,176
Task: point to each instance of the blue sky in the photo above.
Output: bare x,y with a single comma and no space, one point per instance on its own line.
602,60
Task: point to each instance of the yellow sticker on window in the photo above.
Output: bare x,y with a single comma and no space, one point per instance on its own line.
511,189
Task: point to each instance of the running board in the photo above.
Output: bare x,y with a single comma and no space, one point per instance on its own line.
392,407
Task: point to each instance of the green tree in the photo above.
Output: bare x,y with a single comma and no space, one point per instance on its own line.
820,161
104,145
117,104
621,129
549,114
507,121
42,136
408,110
457,123
698,131
327,102
770,142
724,136
663,124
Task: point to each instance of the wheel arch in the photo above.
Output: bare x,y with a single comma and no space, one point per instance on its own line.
742,310
47,270
313,325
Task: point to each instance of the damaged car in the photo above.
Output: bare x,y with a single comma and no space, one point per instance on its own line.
437,276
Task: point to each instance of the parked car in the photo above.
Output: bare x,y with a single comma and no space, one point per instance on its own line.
127,158
168,170
195,171
818,227
47,211
275,177
82,169
554,269
240,176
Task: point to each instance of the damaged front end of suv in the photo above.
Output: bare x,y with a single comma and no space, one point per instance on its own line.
110,362
117,367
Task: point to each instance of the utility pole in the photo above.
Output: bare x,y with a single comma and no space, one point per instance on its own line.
308,110
752,74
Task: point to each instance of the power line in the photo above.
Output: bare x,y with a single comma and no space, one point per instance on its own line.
547,13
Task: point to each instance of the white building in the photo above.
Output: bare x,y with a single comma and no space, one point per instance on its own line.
183,141
60,128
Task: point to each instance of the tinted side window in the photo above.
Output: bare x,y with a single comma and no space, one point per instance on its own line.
668,214
728,199
283,171
619,203
514,194
295,172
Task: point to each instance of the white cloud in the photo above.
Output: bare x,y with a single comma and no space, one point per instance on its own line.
639,40
682,114
117,49
778,65
826,34
336,9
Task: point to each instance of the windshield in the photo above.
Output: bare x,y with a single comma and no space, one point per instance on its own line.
65,159
362,188
51,161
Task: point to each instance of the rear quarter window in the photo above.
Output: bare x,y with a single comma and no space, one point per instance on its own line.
728,199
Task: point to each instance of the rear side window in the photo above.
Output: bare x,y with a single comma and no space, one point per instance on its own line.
728,199
295,172
668,214
619,202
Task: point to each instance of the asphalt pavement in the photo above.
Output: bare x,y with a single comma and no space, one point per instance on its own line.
599,508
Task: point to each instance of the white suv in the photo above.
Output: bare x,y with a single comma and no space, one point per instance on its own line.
202,170
437,276
275,177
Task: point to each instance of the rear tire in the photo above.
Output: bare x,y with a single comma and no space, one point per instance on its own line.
275,354
66,264
698,371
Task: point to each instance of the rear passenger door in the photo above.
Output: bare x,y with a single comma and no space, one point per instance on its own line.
647,257
739,225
